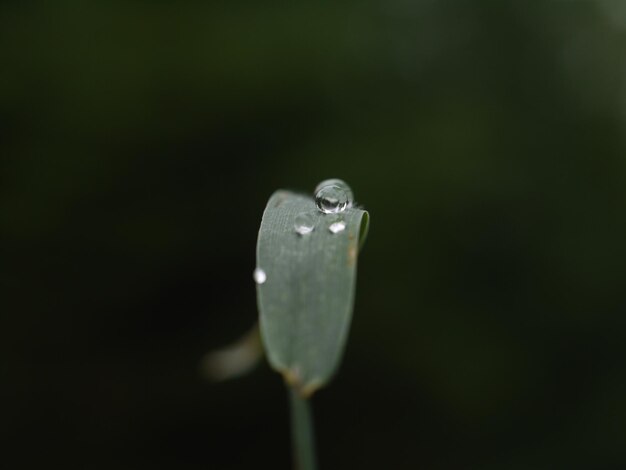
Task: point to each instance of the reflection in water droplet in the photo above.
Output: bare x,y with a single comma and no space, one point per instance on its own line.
332,196
304,224
338,226
259,276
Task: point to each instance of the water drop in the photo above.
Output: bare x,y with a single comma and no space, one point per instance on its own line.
337,226
332,196
304,224
259,276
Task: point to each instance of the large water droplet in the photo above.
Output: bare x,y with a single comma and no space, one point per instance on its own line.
259,276
337,226
332,196
304,223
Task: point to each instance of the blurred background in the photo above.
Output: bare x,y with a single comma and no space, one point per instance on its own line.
140,141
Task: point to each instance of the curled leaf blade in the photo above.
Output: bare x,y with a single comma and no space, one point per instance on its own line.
306,302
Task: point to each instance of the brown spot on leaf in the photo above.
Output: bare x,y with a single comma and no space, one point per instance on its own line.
352,252
309,389
293,380
292,377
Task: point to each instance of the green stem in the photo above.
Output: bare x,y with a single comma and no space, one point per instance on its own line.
302,433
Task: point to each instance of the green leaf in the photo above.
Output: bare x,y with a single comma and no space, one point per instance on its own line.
306,302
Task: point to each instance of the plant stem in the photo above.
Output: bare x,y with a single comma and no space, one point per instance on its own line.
302,432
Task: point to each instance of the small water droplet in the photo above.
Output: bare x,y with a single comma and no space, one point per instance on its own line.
337,226
304,223
333,196
259,276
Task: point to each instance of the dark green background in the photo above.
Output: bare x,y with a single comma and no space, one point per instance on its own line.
139,142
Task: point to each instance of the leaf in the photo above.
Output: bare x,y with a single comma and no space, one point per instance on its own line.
234,360
306,302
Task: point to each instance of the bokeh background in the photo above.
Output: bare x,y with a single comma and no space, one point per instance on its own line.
140,140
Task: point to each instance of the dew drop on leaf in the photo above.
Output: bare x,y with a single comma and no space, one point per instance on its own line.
338,226
333,196
259,276
304,223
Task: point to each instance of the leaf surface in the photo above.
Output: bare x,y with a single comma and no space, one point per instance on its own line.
306,302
